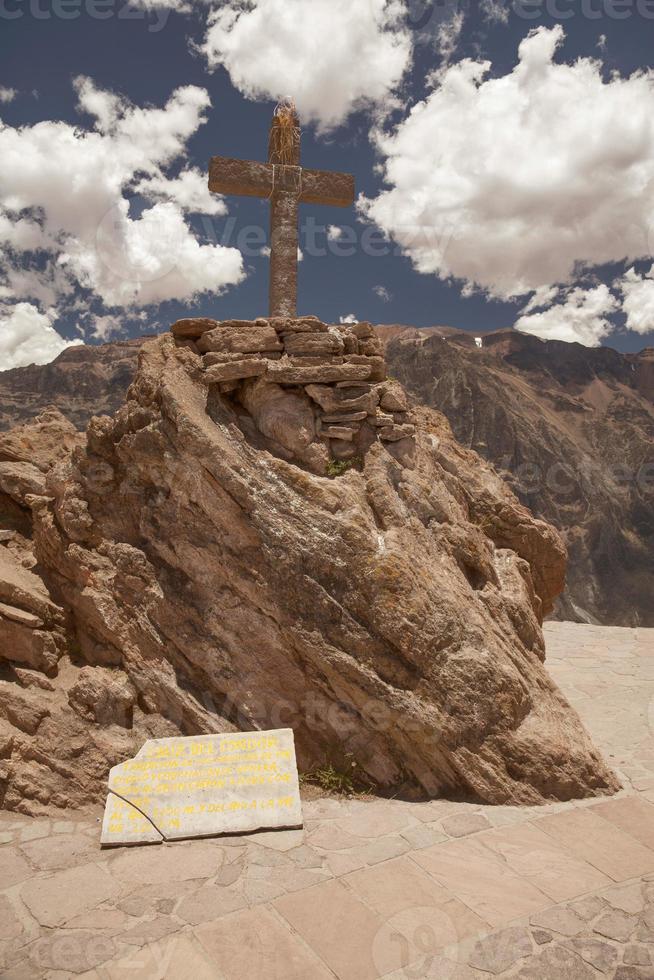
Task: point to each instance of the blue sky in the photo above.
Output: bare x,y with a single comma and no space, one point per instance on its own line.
521,193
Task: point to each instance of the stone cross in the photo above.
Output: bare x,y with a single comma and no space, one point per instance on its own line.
286,184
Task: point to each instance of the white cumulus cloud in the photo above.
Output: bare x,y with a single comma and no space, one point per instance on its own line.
580,315
154,259
513,183
189,190
638,302
105,327
7,94
78,221
28,337
331,56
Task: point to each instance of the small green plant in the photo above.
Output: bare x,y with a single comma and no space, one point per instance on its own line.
337,467
329,779
333,780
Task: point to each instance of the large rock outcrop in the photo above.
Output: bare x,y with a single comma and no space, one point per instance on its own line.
552,417
571,429
264,536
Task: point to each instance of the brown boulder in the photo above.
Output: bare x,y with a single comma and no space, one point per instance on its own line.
41,442
371,347
393,397
192,328
18,480
21,589
234,371
289,325
362,331
243,337
390,616
31,625
393,433
282,372
350,342
20,617
334,400
212,577
286,418
376,365
404,451
22,643
24,710
316,344
342,432
341,449
104,696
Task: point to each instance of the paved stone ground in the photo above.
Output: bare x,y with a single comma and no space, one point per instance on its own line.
369,889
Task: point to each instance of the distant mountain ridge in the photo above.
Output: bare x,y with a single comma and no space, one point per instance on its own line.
571,428
83,381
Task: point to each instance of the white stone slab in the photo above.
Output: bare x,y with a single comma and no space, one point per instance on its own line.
203,786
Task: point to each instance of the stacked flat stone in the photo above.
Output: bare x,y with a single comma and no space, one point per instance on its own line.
339,368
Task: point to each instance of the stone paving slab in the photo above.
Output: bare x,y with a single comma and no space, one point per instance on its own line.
369,889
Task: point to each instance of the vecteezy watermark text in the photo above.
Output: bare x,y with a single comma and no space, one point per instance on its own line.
588,9
319,241
423,15
563,479
45,10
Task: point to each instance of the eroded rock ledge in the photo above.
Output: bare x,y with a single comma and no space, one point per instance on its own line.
204,572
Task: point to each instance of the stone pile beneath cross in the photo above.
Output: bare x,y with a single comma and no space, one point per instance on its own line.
316,392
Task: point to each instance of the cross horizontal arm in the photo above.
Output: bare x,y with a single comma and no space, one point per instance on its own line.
324,187
252,179
243,177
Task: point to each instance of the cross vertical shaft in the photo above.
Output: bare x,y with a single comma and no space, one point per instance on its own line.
284,241
284,157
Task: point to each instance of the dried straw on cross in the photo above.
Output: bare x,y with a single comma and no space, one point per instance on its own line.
285,134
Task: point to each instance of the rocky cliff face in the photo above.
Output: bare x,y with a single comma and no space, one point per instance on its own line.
571,429
239,547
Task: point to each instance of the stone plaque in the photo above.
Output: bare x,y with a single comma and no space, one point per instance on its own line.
203,786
